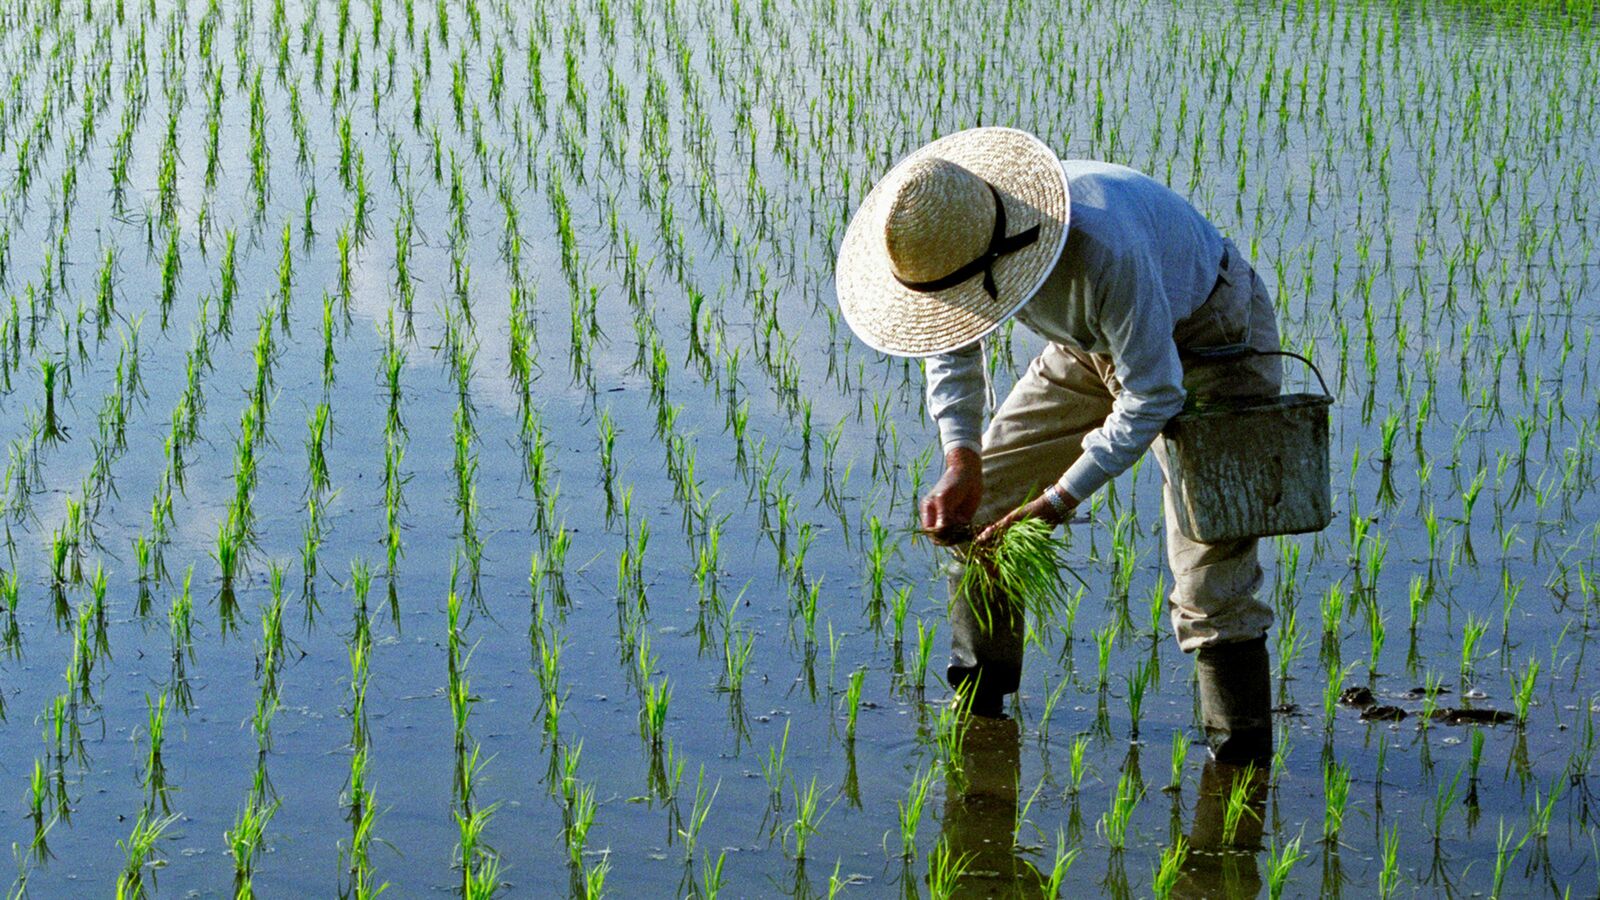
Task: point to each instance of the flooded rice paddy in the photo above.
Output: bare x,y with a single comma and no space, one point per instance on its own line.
434,458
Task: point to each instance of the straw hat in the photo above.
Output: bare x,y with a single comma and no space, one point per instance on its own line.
927,267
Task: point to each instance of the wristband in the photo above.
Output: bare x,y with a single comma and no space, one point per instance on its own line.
1052,496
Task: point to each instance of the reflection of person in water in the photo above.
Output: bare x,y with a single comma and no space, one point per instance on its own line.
979,821
1215,866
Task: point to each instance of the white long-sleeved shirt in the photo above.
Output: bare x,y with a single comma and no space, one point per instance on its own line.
1139,259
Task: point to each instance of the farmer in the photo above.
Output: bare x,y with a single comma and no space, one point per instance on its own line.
1130,286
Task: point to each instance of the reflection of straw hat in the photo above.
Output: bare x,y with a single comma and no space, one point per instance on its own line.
927,266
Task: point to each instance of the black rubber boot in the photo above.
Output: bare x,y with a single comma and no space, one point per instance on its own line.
1236,701
985,662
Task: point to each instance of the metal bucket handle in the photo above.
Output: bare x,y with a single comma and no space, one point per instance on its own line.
1237,351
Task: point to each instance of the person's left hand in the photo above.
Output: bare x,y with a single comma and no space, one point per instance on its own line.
1037,508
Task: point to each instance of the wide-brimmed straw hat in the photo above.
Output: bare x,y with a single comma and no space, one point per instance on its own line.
953,241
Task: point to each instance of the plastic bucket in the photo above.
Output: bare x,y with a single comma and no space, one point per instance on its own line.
1251,467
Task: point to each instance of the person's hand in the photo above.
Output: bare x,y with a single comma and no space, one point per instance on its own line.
1039,508
948,509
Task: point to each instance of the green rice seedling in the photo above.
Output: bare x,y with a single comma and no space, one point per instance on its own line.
1469,499
808,817
1281,860
738,646
835,883
461,700
1156,604
317,448
1332,607
80,669
1522,690
1113,824
363,816
1021,817
171,266
1237,804
137,878
1138,684
1505,853
775,765
808,612
329,355
924,654
950,736
1180,755
1389,875
1472,633
711,877
852,703
703,799
1336,797
245,840
38,795
1544,805
653,717
154,777
50,371
1065,856
60,557
898,608
1510,590
1332,687
910,815
945,869
480,865
1418,595
105,294
1077,763
1169,868
1377,633
553,697
581,809
1104,639
1290,642
1444,799
594,879
1052,699
11,639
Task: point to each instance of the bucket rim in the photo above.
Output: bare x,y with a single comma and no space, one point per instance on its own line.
1233,405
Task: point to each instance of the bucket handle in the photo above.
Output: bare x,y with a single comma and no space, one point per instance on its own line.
1237,351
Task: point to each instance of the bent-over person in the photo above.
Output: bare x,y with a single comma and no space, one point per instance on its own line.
1143,304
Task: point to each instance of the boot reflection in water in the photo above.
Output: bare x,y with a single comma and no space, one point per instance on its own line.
1217,866
979,820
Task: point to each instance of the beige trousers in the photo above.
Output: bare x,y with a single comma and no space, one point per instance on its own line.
1066,393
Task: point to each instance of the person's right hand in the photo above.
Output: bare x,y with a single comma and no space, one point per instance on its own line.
948,509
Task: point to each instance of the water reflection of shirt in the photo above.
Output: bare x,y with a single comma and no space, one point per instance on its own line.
1138,260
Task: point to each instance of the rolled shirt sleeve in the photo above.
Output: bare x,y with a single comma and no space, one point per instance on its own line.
955,397
1134,321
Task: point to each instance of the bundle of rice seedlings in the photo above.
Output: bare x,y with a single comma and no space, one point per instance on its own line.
1024,567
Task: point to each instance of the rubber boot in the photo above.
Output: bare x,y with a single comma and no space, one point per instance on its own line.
985,662
1236,701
